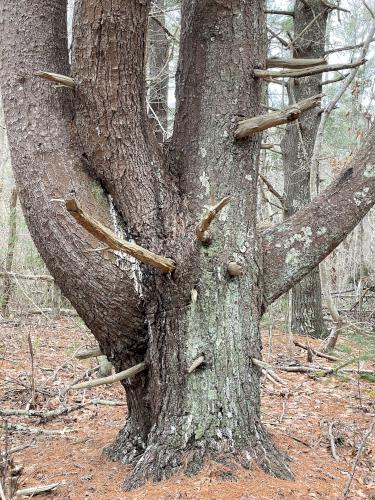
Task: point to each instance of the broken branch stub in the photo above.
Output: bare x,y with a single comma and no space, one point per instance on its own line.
117,377
294,63
300,73
208,217
63,80
104,234
288,114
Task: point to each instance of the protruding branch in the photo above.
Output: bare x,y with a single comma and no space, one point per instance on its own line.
88,353
280,12
107,236
266,146
201,230
334,80
288,114
117,377
265,73
347,47
272,190
234,269
278,62
278,37
197,362
64,81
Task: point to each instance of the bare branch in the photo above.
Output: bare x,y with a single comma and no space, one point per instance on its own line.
62,80
347,47
264,73
117,377
201,230
36,490
334,7
278,37
334,80
280,12
294,63
272,190
288,114
88,353
107,236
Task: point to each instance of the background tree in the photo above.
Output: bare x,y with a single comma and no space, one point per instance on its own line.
98,139
310,21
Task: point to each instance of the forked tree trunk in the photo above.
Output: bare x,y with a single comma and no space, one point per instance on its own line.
177,419
310,21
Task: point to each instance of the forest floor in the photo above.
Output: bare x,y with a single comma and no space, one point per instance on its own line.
297,415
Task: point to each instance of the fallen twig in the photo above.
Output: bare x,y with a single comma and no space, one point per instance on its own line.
356,460
36,490
34,430
314,351
332,441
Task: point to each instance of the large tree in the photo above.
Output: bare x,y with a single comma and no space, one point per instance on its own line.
198,295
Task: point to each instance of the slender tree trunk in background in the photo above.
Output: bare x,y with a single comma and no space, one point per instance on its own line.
56,301
12,237
297,147
158,70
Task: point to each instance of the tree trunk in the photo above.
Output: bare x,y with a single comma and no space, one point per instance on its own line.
297,147
158,70
8,281
211,304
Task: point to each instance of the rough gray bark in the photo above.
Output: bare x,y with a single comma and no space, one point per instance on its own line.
177,420
12,238
297,148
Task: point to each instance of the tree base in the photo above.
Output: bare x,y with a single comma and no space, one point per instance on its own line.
128,447
160,462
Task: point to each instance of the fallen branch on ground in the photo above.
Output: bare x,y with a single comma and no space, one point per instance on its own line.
48,415
34,430
314,351
332,441
36,490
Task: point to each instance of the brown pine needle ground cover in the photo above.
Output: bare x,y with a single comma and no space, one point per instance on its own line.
298,416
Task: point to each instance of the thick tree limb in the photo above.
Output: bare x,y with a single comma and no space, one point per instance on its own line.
117,377
294,63
201,230
288,114
294,247
264,73
107,236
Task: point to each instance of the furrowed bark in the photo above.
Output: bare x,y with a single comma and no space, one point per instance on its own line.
47,164
294,247
297,146
111,115
221,42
